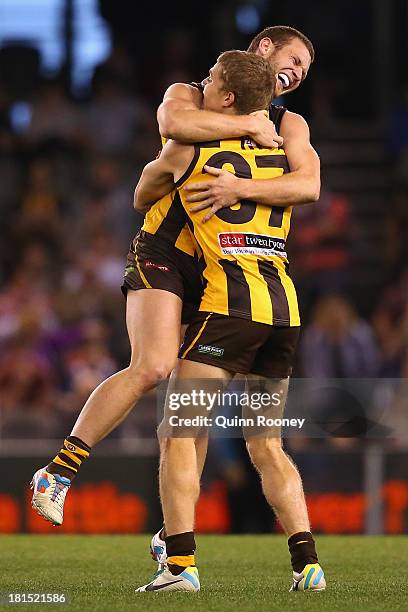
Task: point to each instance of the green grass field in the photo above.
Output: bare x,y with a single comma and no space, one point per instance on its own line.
237,573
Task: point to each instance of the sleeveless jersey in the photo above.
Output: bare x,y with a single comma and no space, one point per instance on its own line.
166,219
244,247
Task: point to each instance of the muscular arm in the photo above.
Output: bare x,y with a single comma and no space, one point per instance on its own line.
159,176
181,118
302,183
155,181
300,186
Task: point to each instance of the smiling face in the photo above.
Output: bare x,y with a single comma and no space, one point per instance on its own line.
290,63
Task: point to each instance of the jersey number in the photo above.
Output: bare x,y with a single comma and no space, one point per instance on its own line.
247,210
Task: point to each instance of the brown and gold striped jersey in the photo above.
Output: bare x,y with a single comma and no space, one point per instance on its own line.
244,247
167,217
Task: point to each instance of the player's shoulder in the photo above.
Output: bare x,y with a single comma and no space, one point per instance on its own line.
177,154
285,119
293,118
173,148
183,91
293,122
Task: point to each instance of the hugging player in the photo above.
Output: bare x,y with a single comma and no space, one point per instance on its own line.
154,300
248,312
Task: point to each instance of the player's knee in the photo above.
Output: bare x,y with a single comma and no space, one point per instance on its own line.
153,374
149,374
264,451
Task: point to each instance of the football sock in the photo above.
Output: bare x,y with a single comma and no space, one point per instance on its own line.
180,551
69,459
302,550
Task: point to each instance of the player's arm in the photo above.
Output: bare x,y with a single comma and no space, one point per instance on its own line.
158,177
300,186
181,118
156,180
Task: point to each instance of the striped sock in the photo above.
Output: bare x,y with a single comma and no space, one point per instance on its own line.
69,459
180,551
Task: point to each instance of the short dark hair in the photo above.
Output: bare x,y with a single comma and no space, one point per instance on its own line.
250,78
281,36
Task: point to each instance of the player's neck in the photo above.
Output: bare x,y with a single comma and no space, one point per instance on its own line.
229,110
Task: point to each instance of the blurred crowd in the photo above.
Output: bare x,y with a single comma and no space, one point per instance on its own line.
66,205
67,179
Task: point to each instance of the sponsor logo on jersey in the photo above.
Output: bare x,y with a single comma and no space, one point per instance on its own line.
151,264
244,243
207,349
248,143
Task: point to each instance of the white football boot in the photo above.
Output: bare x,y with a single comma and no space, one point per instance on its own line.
310,579
49,495
158,550
188,580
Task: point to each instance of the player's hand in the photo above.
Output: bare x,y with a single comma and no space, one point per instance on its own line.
220,192
263,131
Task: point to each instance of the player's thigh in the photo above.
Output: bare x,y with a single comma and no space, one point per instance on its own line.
268,395
264,410
202,381
199,384
268,383
191,370
153,319
192,398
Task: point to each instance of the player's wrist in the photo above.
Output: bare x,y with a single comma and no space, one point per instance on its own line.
242,188
250,126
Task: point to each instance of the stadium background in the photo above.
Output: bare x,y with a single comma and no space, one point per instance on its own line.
80,82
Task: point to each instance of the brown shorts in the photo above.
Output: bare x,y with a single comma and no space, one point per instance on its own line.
154,263
240,346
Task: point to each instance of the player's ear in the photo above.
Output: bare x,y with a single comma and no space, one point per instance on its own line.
229,99
265,47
